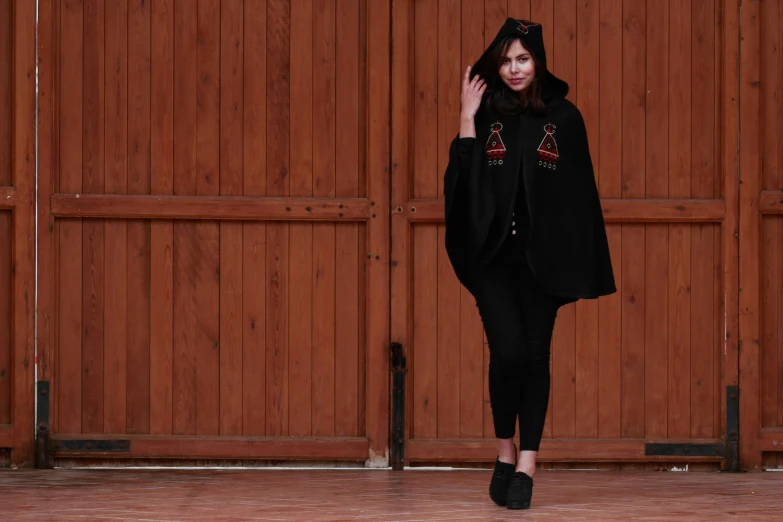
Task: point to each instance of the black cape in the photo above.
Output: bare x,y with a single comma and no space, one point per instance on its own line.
567,249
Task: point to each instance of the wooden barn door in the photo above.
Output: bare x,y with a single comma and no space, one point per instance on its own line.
214,253
653,363
17,231
761,236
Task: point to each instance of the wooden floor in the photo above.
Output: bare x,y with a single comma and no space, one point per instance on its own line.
320,495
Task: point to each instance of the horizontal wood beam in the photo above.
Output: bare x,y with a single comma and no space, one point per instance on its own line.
771,439
615,210
6,436
243,208
771,202
552,450
210,447
7,199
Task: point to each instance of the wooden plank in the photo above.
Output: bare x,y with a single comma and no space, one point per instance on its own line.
552,450
161,289
231,244
471,334
771,202
138,250
208,243
587,311
633,248
225,447
495,13
771,439
244,208
679,332
301,306
610,186
324,185
348,256
7,436
184,242
93,230
378,181
703,344
7,198
729,53
657,236
24,245
116,182
6,91
6,317
749,233
424,238
563,396
542,12
449,74
615,210
519,9
278,184
254,234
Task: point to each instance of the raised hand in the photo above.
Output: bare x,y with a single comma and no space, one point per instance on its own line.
472,91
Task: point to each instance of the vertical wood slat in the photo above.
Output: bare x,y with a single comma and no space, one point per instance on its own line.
206,267
116,182
657,236
749,232
93,241
278,184
424,238
347,255
633,235
231,244
69,248
301,306
162,232
184,311
254,234
610,186
324,185
23,167
448,288
6,231
679,403
138,232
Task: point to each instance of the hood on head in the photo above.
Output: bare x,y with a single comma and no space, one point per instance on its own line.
532,38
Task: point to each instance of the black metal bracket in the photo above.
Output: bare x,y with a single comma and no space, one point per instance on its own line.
728,450
91,445
398,407
43,458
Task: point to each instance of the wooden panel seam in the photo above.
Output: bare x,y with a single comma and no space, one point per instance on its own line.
615,210
246,208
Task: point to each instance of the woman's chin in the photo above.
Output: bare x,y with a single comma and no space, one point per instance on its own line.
516,87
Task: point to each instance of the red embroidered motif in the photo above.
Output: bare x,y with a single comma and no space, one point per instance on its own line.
496,150
524,25
547,151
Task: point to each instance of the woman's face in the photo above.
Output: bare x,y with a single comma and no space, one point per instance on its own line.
517,68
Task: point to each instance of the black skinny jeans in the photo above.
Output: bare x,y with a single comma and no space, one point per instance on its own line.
518,321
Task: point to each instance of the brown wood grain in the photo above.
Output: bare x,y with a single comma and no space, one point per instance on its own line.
161,290
6,318
254,234
6,91
230,233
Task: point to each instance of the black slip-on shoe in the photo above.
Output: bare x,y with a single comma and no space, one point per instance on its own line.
520,492
501,480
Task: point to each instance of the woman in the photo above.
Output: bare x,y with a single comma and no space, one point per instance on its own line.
524,233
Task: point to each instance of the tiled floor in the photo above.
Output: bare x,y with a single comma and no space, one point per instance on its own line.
321,495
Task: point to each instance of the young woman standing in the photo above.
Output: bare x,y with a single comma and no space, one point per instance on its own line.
524,232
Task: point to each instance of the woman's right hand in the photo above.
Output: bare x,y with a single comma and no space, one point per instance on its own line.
472,91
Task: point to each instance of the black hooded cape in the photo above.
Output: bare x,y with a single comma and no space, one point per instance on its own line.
566,248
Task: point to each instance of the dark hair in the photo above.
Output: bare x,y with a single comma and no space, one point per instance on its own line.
499,97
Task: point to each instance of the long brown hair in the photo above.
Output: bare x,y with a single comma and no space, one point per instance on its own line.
499,97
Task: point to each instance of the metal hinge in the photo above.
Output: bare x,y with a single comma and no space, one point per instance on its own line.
728,449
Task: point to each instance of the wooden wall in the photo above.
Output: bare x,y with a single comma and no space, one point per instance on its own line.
17,230
645,363
215,251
